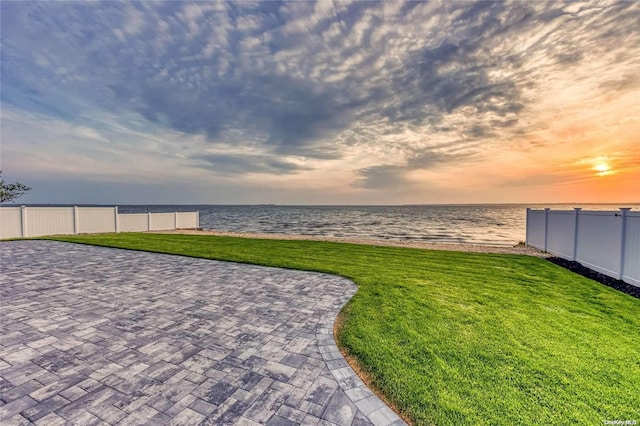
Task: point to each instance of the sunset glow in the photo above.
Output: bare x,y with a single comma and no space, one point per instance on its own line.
602,168
321,103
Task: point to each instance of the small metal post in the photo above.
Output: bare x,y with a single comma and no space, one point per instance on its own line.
116,218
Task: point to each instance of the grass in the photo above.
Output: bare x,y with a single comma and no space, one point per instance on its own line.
462,338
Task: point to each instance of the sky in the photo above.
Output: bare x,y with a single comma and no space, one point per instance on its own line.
328,102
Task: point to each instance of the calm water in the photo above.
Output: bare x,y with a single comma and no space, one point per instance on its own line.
476,224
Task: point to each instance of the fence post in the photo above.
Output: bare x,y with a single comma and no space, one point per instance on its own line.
198,219
175,220
23,221
576,215
76,219
526,232
546,227
148,221
116,218
623,238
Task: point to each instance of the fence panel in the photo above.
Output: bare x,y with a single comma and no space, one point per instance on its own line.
49,221
599,241
134,222
560,232
162,221
605,241
535,228
41,221
187,220
96,219
10,222
631,271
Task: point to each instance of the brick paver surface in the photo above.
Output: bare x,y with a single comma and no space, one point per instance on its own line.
93,335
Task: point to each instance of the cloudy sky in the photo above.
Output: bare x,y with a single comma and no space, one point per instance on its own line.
321,103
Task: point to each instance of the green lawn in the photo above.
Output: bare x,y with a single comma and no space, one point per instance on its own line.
462,338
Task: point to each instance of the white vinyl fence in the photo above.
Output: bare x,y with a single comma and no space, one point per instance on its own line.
22,222
605,241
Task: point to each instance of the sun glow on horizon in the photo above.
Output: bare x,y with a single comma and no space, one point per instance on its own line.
602,168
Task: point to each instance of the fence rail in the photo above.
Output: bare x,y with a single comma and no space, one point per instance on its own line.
605,241
22,222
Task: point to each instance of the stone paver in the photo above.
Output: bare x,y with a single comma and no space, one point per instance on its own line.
94,335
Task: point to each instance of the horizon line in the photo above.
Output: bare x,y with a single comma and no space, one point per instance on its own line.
321,205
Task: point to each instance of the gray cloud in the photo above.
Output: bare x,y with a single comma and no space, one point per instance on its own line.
226,164
570,58
383,176
426,159
395,176
442,79
626,82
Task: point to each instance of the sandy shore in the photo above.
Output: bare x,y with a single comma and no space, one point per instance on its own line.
518,249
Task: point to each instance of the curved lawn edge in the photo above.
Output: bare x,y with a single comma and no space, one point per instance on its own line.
360,372
500,338
353,384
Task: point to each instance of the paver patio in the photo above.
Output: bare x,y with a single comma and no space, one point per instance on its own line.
93,335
